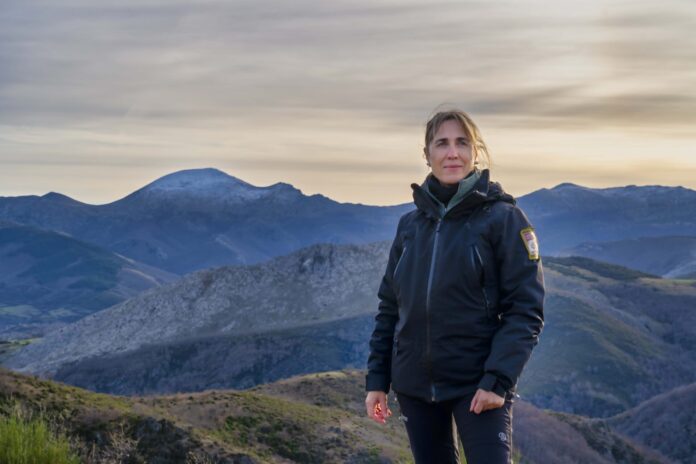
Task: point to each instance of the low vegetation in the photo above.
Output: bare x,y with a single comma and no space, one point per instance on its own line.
29,441
314,418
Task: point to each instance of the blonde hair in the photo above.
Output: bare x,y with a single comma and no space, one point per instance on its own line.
479,148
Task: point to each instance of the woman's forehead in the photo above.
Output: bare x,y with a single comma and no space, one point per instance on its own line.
450,124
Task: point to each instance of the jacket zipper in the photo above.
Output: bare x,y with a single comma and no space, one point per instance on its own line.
403,252
483,280
427,307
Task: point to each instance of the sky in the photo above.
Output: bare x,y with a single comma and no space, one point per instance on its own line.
100,98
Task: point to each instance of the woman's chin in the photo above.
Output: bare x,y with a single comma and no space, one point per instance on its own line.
450,179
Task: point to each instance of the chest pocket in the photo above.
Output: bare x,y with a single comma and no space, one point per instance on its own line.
406,243
481,259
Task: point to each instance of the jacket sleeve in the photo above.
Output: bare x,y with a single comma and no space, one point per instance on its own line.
379,361
521,287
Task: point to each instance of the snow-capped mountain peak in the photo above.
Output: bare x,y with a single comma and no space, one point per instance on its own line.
208,183
198,180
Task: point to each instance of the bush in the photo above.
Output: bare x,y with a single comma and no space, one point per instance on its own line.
31,442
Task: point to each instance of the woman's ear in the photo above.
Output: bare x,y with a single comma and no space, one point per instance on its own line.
425,155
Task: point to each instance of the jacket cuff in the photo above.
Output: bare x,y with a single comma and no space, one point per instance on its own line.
489,382
376,382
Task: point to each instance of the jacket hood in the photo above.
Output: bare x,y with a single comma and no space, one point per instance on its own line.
484,191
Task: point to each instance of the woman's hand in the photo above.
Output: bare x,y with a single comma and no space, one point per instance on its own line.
376,404
484,400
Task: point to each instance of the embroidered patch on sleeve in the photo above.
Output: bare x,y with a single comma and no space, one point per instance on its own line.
530,242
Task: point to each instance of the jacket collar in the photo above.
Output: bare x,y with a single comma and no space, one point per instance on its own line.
483,191
463,188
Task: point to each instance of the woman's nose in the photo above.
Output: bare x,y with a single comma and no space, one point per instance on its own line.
452,151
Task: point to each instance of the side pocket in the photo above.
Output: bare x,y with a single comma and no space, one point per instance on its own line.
482,281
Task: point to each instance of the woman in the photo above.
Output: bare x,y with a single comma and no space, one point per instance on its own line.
461,305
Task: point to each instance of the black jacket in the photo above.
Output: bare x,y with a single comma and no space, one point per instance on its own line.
461,301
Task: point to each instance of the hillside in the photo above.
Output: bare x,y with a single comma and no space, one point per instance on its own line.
48,279
224,361
199,219
665,422
213,426
316,418
315,285
613,337
106,428
669,256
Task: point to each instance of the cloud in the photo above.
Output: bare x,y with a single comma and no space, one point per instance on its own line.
331,88
171,62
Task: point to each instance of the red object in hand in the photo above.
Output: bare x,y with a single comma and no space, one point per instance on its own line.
380,414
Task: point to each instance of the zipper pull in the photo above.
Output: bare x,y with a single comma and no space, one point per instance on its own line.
439,223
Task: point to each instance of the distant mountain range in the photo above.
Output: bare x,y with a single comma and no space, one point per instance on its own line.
613,336
47,279
568,214
202,218
200,280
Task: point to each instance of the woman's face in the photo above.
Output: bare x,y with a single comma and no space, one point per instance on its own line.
450,153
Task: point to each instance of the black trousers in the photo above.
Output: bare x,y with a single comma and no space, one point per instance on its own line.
432,431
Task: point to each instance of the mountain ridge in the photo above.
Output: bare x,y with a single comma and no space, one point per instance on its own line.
186,177
48,278
672,256
613,336
227,221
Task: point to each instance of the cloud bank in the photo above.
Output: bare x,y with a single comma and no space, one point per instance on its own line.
331,87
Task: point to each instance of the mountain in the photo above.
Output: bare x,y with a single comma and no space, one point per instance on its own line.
672,257
201,218
48,279
665,423
570,214
546,436
314,418
321,283
223,361
613,336
210,185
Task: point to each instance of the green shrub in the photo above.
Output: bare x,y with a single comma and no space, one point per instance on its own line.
31,442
